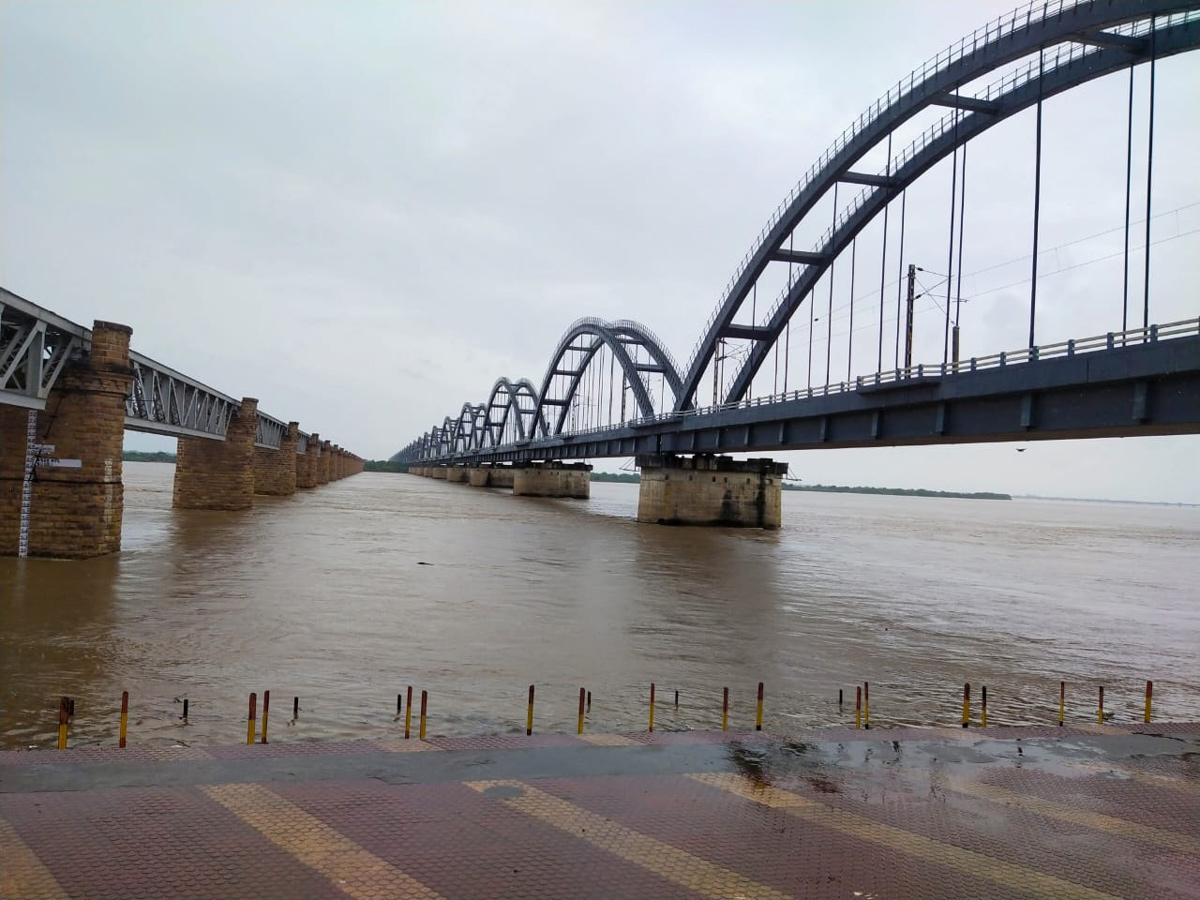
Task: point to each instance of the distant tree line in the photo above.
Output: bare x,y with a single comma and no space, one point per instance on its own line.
384,465
899,492
142,456
619,477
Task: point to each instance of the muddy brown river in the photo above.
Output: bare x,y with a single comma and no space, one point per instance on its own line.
345,595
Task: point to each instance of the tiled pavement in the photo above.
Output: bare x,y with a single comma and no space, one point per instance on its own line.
1097,812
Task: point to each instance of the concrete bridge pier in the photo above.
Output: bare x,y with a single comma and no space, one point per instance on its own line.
212,474
74,513
553,479
710,490
490,476
275,470
438,472
324,463
457,474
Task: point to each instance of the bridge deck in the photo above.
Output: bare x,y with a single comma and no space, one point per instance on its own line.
1035,812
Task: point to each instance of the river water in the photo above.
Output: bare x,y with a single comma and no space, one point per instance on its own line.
345,595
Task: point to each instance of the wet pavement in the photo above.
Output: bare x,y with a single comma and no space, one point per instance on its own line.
1094,812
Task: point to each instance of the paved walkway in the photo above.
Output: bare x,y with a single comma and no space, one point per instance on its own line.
1036,812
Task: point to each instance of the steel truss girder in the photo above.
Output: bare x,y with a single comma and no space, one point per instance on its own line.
1017,35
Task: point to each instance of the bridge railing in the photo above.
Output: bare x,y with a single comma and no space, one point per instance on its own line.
1076,346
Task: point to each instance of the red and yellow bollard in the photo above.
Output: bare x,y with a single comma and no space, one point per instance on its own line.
582,700
424,703
725,711
966,718
983,708
250,718
758,715
652,706
124,717
1100,708
1062,701
266,703
64,706
1149,697
529,714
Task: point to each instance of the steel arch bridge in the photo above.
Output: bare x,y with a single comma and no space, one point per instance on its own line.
1034,52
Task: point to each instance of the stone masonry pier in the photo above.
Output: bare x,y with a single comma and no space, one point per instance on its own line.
61,493
710,490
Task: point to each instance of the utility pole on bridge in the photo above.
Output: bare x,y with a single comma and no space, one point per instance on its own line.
908,317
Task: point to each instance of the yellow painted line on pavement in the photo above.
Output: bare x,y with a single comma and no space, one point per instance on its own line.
1096,821
662,859
1170,782
610,740
22,875
348,866
399,745
928,850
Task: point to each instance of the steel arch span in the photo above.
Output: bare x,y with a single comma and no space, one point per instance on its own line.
1036,51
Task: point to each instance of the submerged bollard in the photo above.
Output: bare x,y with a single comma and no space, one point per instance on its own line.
589,706
1149,695
866,704
185,709
652,706
725,711
983,708
677,699
295,708
529,714
966,704
1100,708
399,705
124,717
266,703
1062,701
582,697
250,719
758,715
858,707
408,714
839,699
424,702
64,706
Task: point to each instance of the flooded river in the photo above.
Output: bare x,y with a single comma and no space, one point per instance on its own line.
346,594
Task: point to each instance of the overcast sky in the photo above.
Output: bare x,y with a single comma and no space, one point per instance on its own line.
363,214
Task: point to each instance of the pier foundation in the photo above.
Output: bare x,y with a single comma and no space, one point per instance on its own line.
275,470
710,490
553,479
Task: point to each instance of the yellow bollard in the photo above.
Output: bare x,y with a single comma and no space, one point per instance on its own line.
758,715
1149,695
966,704
529,714
1100,708
1062,701
858,707
408,714
250,719
582,698
424,700
63,705
124,716
652,706
983,708
725,711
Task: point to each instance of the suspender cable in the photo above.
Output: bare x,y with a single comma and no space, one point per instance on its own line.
883,260
787,343
962,214
950,260
850,339
753,322
1037,197
1149,177
900,273
1128,199
829,311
